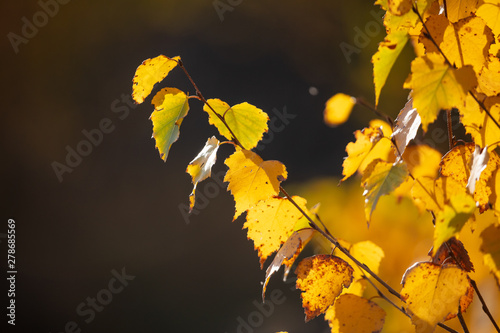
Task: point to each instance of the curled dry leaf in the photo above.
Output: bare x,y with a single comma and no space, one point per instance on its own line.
287,254
200,168
406,126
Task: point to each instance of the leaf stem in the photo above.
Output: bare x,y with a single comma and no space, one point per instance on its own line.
451,139
200,96
361,101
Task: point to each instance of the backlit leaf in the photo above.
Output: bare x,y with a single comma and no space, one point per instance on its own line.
399,7
407,21
432,292
287,254
247,122
385,57
422,161
477,122
171,106
488,81
436,86
150,72
464,43
491,249
489,11
201,167
338,109
354,314
270,222
252,179
381,178
406,126
459,9
321,279
433,194
453,217
457,163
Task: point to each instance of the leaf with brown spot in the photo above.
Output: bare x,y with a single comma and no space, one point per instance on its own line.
458,255
252,179
321,279
270,222
432,292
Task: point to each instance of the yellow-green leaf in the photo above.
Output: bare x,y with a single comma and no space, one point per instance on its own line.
252,179
149,73
437,86
381,178
452,218
171,106
491,249
321,279
354,314
432,292
385,57
338,108
247,122
270,222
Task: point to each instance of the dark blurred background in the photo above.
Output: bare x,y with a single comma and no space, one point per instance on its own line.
68,65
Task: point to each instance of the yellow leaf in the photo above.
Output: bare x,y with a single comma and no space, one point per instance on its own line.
247,122
409,20
489,11
171,106
491,249
432,292
488,81
399,7
422,161
354,314
357,151
452,218
383,150
270,222
287,254
433,194
456,164
436,86
381,178
201,167
466,42
252,179
150,72
338,109
494,184
459,9
321,279
385,57
477,122
366,252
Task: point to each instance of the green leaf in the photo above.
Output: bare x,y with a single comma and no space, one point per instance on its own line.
381,178
384,59
452,218
171,106
247,122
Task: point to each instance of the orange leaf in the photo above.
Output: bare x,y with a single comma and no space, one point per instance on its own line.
321,279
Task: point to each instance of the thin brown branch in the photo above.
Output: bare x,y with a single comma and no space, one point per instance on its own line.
361,101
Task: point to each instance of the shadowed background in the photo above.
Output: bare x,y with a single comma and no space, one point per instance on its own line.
119,206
